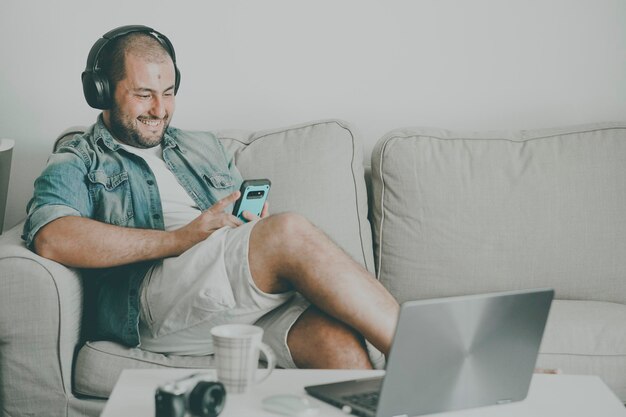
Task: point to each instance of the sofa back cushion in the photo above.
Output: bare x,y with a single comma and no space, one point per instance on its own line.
459,213
316,170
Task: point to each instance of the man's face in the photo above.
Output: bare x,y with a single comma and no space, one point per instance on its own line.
143,102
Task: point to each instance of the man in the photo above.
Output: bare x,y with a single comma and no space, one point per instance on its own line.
143,208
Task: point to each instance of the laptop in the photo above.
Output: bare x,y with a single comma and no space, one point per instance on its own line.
451,354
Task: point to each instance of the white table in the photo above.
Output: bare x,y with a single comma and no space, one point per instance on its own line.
549,395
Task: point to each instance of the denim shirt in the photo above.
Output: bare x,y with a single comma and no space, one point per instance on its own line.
92,176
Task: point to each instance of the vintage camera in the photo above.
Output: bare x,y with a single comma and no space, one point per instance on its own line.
198,395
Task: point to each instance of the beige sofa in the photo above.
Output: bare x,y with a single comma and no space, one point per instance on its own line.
451,213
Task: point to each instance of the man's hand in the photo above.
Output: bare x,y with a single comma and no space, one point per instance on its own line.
208,222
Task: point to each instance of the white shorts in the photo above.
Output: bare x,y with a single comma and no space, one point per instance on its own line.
210,284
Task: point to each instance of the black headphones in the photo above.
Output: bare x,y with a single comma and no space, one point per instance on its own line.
96,85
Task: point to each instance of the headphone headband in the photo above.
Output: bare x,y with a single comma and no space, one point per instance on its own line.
96,85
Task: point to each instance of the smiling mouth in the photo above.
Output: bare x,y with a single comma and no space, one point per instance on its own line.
151,122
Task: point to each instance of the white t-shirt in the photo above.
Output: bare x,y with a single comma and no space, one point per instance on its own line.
178,207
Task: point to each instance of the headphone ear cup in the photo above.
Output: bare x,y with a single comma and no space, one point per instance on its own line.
96,90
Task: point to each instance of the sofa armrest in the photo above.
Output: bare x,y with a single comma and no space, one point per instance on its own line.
40,316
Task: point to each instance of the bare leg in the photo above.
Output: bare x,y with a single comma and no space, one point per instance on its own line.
318,341
287,252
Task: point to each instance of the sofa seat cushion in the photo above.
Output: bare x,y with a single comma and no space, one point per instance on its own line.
590,328
99,365
587,337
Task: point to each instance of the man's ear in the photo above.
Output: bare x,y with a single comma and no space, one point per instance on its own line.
106,118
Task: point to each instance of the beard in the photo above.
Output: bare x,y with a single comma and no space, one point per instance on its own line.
133,132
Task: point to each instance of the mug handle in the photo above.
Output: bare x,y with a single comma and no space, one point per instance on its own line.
271,361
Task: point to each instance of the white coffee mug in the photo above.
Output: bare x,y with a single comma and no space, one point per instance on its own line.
237,348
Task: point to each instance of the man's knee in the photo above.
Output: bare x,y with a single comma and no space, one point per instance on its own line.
285,225
282,236
317,340
275,250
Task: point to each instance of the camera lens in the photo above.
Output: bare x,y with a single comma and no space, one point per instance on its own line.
207,399
256,194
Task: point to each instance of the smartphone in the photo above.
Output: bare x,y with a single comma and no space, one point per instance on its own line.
253,196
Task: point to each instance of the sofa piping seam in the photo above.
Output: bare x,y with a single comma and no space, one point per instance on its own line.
382,208
356,194
284,130
91,346
418,135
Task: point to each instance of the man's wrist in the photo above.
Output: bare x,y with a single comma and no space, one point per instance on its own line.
179,241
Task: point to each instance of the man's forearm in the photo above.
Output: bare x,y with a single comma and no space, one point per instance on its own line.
86,243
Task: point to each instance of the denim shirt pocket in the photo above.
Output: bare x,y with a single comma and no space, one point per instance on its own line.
219,180
111,196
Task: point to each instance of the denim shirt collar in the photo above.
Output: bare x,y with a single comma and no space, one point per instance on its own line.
102,134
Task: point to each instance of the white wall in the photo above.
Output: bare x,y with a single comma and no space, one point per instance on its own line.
470,64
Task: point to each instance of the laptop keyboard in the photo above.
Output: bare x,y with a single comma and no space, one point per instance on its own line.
367,400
